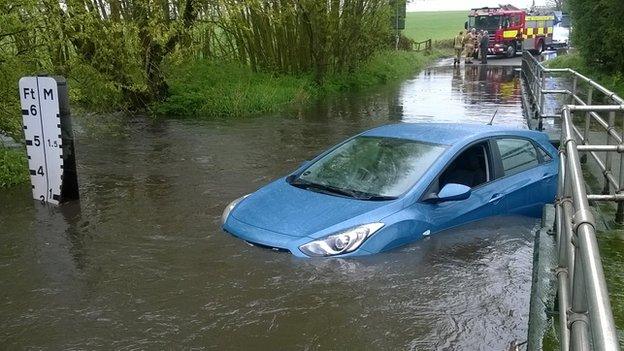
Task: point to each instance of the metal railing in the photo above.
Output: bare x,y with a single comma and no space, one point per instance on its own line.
585,316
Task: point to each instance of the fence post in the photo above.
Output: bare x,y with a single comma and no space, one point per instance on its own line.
609,156
572,97
540,125
619,213
590,92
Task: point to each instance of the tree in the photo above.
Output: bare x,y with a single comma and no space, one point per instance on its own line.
129,40
598,32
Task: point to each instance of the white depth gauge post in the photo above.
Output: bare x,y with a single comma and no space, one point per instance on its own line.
49,138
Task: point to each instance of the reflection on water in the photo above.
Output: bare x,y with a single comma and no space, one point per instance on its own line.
141,262
473,95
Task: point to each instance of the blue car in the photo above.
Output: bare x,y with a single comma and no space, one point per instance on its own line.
396,184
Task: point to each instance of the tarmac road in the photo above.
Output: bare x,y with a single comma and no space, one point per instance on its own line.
500,61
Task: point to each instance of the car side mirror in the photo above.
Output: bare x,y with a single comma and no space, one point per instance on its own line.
451,192
466,25
454,192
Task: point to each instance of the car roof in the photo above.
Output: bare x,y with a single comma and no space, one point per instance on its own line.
447,133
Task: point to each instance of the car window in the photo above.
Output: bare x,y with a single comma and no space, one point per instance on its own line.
470,168
544,155
517,155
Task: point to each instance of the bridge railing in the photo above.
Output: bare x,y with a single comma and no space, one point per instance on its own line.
585,315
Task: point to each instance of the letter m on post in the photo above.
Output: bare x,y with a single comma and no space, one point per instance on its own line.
48,94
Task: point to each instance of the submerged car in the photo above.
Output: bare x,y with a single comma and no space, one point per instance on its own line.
396,184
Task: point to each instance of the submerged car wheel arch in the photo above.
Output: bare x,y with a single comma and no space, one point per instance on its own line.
400,228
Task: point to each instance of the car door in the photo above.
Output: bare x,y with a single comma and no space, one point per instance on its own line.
527,175
485,199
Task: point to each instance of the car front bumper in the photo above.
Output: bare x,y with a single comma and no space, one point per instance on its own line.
272,240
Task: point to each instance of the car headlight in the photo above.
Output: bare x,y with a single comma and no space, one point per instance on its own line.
230,207
342,242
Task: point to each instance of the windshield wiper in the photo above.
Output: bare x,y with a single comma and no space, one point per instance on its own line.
300,183
379,198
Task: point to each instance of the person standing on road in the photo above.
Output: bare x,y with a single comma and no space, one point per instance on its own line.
469,45
483,45
476,45
458,45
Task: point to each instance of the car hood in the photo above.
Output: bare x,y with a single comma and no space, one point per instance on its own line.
282,208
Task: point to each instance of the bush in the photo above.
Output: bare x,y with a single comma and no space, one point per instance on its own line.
11,70
92,90
209,89
13,167
599,32
444,44
405,43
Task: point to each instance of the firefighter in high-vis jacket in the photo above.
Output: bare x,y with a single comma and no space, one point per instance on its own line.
469,41
458,45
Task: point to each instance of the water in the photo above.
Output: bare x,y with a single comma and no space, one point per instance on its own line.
140,261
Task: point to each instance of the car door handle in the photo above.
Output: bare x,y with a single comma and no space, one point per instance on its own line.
547,175
496,198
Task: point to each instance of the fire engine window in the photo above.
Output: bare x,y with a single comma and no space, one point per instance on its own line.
487,22
541,24
515,20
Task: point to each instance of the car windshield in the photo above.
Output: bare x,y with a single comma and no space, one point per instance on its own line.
485,22
371,167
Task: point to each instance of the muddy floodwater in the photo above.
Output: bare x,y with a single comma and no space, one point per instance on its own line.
141,263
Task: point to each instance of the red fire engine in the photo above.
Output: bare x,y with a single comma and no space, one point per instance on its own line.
512,29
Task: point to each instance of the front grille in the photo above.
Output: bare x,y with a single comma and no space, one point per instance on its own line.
272,248
251,243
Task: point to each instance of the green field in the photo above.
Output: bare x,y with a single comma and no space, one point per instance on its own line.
434,25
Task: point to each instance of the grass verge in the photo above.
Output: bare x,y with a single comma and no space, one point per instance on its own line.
202,88
13,167
206,89
613,82
382,68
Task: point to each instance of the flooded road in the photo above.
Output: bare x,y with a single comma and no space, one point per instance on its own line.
140,261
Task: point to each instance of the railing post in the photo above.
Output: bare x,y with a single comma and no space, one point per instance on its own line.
619,213
540,124
608,156
590,92
572,97
536,96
